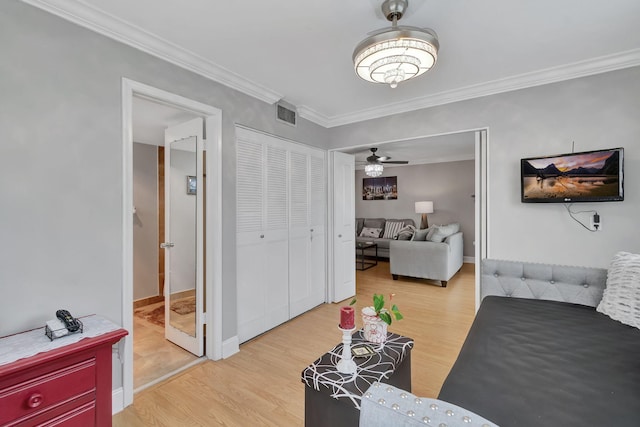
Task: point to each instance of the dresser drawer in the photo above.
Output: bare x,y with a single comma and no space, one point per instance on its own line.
81,416
47,391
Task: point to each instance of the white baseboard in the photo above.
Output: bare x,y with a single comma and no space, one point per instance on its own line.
469,259
117,400
230,347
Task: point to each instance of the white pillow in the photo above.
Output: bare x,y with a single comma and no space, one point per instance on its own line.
621,298
370,232
391,229
441,232
406,233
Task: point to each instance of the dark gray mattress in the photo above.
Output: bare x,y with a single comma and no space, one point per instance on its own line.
545,363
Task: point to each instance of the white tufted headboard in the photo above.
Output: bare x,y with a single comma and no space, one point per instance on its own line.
580,285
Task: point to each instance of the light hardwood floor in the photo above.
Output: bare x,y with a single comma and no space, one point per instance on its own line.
153,355
261,384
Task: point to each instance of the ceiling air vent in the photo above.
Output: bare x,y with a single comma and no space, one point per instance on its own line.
286,113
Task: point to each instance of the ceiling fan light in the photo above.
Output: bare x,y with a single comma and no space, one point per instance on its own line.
393,77
373,170
394,50
410,49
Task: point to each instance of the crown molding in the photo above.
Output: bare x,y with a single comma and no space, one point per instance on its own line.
603,64
87,16
314,116
96,20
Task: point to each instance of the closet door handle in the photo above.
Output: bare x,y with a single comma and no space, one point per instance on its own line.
262,236
339,235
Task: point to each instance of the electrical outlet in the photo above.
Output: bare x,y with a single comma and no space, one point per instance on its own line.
593,223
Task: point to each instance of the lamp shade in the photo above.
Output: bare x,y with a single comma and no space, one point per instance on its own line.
424,207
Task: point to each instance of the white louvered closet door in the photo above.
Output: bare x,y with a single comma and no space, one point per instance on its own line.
281,210
318,220
276,240
306,232
261,236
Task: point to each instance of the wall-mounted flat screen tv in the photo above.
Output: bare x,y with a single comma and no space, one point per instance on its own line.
590,176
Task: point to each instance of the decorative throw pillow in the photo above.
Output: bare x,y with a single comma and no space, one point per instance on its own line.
621,298
441,232
406,233
391,229
370,232
421,235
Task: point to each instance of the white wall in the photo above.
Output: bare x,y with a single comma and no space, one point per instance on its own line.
145,221
449,185
61,164
596,112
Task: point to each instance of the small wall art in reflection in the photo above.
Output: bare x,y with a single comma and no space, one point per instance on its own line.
191,184
383,188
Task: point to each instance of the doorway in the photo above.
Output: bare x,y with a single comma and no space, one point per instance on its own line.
210,167
160,161
456,146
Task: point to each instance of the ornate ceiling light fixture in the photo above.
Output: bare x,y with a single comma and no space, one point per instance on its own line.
373,170
397,54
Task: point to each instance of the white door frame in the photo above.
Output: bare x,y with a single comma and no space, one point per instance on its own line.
481,146
213,261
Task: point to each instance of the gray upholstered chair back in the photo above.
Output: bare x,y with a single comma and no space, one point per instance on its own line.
580,285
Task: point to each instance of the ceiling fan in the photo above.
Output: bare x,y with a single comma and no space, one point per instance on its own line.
375,159
374,163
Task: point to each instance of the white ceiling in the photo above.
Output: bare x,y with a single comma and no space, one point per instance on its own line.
300,50
432,149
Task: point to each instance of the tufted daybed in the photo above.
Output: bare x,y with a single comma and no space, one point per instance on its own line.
539,354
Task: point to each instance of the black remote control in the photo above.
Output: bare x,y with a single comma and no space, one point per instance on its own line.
68,320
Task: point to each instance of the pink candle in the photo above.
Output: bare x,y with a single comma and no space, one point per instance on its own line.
347,318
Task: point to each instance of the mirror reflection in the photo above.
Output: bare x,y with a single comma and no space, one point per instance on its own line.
183,232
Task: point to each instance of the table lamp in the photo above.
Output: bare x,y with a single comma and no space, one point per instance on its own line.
424,208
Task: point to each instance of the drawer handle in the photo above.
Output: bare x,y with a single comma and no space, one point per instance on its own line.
34,400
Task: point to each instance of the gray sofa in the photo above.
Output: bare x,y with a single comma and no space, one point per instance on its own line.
425,259
384,405
383,244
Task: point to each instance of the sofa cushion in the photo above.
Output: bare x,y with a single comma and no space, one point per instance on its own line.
391,229
359,225
441,232
421,235
621,298
370,232
374,222
406,233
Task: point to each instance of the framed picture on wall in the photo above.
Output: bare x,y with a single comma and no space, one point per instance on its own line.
191,184
383,188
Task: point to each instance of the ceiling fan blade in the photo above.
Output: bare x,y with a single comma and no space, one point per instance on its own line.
396,162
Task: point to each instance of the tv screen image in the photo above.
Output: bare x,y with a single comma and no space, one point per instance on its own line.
590,176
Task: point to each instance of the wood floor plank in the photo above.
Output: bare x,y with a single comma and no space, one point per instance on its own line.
261,384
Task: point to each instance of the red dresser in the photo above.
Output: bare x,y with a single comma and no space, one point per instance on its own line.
68,386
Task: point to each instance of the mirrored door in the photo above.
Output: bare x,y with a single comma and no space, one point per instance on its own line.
184,236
